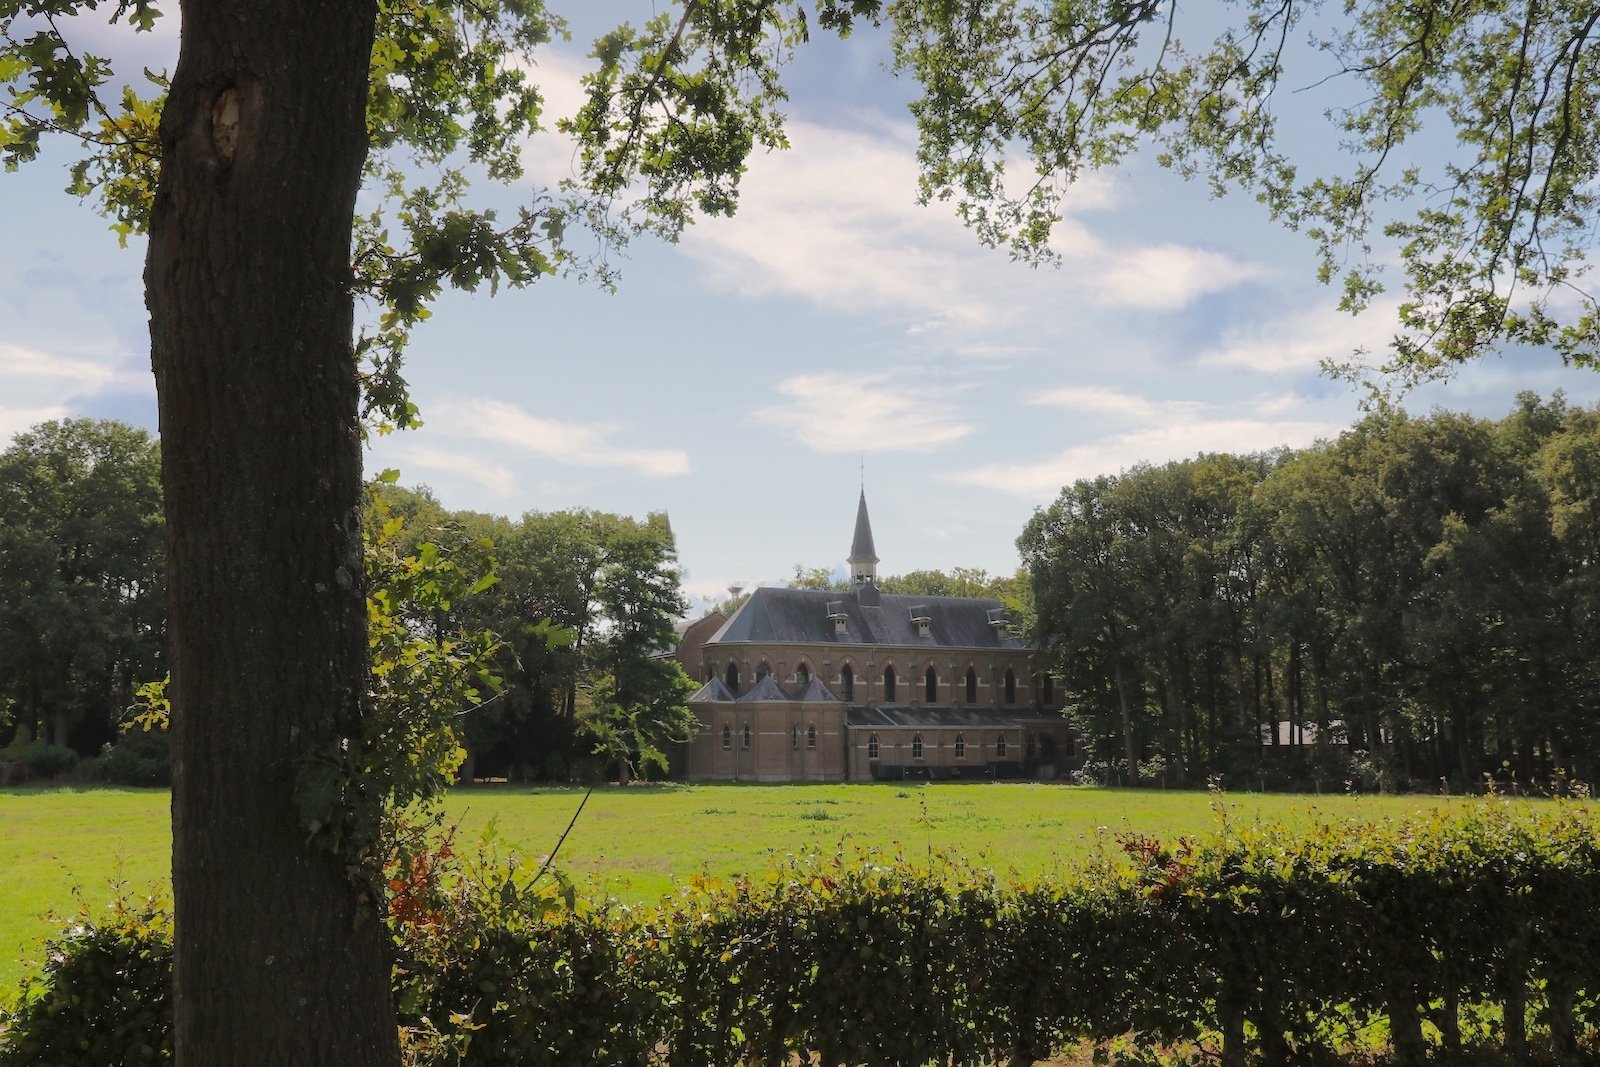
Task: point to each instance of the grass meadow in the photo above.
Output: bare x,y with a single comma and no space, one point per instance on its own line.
638,843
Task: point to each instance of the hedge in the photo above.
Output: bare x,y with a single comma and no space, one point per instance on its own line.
1476,930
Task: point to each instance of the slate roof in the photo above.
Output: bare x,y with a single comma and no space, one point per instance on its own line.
765,689
801,616
861,544
716,689
815,691
929,717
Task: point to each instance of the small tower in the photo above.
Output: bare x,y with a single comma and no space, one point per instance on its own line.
863,557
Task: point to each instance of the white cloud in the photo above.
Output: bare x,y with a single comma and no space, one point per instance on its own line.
410,455
18,363
1299,341
840,412
1168,277
708,591
550,156
1282,402
834,220
1097,400
579,444
1172,431
40,386
16,420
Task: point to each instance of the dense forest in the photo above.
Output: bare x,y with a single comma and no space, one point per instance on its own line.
1413,603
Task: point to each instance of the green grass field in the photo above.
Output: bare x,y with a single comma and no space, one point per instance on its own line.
639,843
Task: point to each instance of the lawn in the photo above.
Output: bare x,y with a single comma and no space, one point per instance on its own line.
638,843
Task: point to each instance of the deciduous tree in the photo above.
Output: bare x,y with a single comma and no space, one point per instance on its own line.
82,565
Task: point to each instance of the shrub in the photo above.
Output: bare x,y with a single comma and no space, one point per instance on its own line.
1275,942
42,760
103,996
139,758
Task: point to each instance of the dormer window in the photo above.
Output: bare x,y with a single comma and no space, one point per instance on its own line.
998,621
836,615
921,620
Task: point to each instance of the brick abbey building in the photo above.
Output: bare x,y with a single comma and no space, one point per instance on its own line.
806,685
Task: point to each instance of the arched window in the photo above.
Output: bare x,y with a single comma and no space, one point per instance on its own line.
732,677
961,746
1011,686
802,674
794,736
711,672
763,670
1049,689
872,747
972,686
930,685
847,682
888,683
746,735
1000,746
916,746
727,737
811,736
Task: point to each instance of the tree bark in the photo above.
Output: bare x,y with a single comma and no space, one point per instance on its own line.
1130,749
279,957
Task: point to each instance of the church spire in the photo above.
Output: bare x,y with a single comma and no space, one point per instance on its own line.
863,557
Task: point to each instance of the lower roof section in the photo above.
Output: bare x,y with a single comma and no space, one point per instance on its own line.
928,717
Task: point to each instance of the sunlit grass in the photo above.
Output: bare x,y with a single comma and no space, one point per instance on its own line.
641,842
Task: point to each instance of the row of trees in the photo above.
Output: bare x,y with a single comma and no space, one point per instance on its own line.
1426,589
82,569
583,602
584,605
960,581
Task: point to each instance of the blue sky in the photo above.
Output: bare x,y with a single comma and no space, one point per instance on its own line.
737,378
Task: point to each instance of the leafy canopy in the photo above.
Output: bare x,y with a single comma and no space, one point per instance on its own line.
1469,127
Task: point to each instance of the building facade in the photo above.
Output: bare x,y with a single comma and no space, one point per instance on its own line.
806,685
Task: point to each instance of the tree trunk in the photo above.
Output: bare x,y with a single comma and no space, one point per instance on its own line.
1405,1031
279,957
1130,750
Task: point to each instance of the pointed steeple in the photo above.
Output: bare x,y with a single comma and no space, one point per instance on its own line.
863,557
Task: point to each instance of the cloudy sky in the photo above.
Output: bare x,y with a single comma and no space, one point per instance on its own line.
740,379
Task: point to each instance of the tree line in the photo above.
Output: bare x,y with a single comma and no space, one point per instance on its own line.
1416,600
82,579
958,581
585,605
580,604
